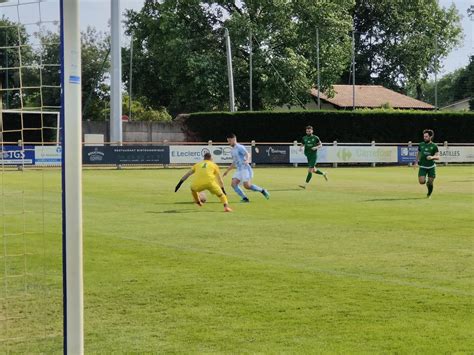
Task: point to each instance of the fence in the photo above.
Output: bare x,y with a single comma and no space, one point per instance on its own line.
261,154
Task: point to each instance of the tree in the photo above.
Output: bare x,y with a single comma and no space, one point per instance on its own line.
400,42
12,35
94,65
453,86
180,52
470,12
95,49
144,113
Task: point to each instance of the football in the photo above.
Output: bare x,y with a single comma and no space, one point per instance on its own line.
202,197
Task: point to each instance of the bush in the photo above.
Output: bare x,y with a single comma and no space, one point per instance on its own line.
140,112
388,126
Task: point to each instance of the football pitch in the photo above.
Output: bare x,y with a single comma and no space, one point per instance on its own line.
362,263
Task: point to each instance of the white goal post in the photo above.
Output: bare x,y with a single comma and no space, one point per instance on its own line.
72,177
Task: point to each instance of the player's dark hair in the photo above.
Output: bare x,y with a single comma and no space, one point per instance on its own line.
231,135
430,132
207,156
309,127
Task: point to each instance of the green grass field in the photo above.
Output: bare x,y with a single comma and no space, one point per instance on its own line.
362,263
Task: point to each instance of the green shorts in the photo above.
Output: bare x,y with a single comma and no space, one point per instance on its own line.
312,160
430,172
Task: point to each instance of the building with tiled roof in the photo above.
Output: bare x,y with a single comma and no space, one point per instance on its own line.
368,96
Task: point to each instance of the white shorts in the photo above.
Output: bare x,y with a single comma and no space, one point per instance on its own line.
243,174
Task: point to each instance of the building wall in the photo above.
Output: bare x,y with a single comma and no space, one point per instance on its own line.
139,131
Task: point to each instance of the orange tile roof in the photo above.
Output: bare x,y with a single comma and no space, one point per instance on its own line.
371,96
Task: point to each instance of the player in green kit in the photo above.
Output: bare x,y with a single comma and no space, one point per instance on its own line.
311,145
427,154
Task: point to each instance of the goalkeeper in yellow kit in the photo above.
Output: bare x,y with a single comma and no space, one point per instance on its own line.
206,177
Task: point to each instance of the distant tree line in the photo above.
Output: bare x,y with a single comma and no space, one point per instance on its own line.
179,60
179,49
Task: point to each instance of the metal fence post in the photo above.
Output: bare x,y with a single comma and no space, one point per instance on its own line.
20,144
165,142
410,144
295,144
373,145
446,146
334,165
251,150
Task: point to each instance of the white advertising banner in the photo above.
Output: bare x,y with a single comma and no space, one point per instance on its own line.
348,154
191,154
297,155
48,155
456,154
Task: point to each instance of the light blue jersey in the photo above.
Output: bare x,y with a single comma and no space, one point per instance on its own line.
243,171
238,156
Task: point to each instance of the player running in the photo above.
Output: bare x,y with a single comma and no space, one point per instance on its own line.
428,152
311,145
244,172
206,175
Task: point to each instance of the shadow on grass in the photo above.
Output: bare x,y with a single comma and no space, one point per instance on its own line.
182,211
282,190
394,199
185,203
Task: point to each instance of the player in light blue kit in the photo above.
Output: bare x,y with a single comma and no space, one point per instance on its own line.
244,172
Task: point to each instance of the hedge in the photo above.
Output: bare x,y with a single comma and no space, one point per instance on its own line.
343,126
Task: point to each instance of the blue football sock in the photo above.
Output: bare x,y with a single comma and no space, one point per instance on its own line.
239,191
256,188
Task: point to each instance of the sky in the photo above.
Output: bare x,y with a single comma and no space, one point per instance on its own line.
96,13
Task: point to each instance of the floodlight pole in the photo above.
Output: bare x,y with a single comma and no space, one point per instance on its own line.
353,70
317,66
71,136
116,76
251,70
230,72
6,75
130,79
436,73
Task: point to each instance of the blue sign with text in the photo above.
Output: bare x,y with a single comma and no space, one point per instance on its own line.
15,155
407,155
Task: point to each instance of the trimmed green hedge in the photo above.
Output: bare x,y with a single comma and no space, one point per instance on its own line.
343,126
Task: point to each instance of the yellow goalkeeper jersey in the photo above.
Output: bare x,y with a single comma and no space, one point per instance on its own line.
205,172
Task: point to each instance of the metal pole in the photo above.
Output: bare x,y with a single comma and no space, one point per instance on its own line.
436,73
353,70
317,66
7,93
130,79
116,76
251,70
71,137
1,117
229,72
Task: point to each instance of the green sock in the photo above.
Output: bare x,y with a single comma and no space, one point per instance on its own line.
308,177
319,172
430,188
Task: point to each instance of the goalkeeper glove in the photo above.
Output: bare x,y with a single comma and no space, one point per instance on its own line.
178,185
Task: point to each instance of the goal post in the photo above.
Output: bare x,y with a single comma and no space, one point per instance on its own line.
72,177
